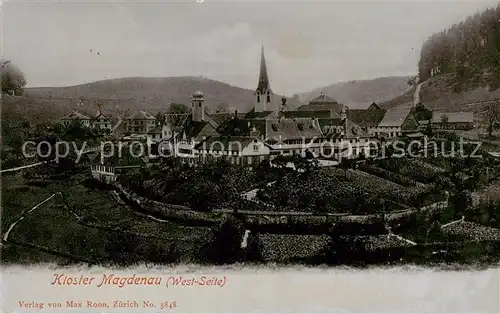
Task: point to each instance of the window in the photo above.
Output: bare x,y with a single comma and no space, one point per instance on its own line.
249,159
268,96
255,148
258,97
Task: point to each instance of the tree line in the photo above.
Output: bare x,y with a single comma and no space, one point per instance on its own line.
469,49
13,80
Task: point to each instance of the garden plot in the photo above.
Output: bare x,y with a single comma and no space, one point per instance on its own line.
289,247
18,196
411,169
385,188
101,208
464,230
56,228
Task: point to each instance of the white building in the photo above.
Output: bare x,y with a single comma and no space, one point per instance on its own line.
101,122
76,117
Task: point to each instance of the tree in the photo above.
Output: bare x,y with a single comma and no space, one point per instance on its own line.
177,109
444,121
434,233
12,78
346,164
222,107
492,117
422,113
224,247
462,203
161,118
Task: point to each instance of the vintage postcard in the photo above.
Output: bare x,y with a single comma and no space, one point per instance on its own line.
206,156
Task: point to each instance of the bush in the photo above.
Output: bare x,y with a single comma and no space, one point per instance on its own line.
225,246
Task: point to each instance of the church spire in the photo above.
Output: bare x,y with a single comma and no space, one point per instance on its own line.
263,87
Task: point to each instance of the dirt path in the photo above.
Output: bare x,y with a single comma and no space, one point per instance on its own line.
416,96
23,167
11,227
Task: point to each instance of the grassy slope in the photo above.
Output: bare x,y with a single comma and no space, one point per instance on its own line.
400,101
54,226
360,94
438,94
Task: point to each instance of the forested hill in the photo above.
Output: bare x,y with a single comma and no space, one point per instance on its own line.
459,67
469,49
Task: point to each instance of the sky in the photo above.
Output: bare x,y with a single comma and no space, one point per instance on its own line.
308,44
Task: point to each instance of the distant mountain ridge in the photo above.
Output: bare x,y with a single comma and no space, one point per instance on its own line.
361,93
156,93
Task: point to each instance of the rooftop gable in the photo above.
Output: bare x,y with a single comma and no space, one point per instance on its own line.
141,115
227,143
395,117
101,115
374,106
75,115
198,129
292,128
323,98
367,117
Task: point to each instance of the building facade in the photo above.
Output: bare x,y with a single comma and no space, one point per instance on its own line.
324,129
101,122
76,117
452,120
140,122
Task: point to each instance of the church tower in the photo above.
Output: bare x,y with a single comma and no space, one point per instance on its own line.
263,93
198,106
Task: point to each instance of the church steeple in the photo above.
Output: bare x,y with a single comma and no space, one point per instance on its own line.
263,91
263,85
